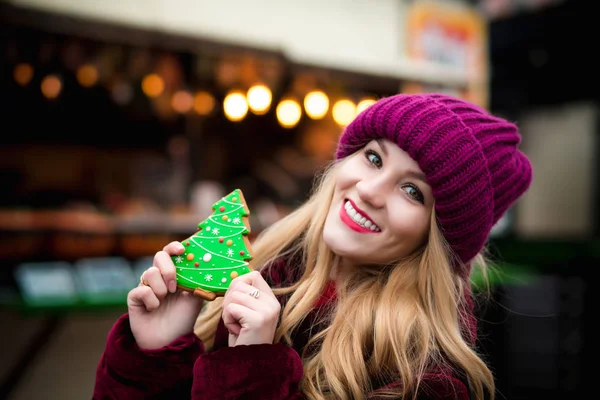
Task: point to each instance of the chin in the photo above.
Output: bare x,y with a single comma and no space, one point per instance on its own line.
339,244
340,239
334,239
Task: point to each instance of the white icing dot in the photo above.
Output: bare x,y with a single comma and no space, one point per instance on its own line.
207,257
224,280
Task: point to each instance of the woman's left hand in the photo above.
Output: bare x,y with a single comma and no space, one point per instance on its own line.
250,310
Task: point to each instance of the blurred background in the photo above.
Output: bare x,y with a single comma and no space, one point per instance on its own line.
123,121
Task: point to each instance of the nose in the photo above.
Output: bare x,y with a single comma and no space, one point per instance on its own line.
372,191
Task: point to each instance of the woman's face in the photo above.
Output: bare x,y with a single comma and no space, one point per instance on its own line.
381,206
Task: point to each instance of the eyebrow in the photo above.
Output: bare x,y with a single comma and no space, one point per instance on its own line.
417,175
411,173
382,146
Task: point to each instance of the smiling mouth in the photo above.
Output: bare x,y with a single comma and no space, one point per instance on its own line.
357,221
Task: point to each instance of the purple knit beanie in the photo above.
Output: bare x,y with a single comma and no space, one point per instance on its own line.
471,159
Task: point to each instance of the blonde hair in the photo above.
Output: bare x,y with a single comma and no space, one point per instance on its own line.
390,323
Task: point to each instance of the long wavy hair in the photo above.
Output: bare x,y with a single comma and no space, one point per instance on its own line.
389,323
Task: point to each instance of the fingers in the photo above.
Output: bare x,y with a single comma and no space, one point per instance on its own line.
230,320
164,263
143,296
255,280
240,295
157,281
247,326
242,309
154,279
248,284
174,248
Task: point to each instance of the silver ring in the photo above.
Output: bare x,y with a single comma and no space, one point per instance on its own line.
255,293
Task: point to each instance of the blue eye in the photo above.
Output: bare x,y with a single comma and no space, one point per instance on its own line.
374,158
414,192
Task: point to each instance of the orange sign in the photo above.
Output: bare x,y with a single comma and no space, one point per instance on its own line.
450,35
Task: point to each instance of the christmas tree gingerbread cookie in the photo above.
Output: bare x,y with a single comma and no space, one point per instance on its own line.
219,251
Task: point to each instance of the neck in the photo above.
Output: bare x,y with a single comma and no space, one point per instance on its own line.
340,268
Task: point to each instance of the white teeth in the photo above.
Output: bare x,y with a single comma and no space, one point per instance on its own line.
360,219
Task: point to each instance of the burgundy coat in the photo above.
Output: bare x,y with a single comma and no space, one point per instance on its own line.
183,370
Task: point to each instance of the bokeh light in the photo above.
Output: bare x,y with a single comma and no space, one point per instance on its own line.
87,75
235,106
204,103
259,99
153,85
316,104
182,101
51,86
343,112
288,113
364,104
23,73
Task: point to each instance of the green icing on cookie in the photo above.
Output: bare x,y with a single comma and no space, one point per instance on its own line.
220,250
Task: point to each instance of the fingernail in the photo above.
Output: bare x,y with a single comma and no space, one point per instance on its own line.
172,286
180,247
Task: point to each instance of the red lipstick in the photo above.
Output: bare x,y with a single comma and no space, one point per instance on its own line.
352,224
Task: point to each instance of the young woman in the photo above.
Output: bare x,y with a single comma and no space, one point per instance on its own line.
363,291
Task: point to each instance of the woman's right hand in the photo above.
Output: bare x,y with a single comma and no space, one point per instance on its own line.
158,312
